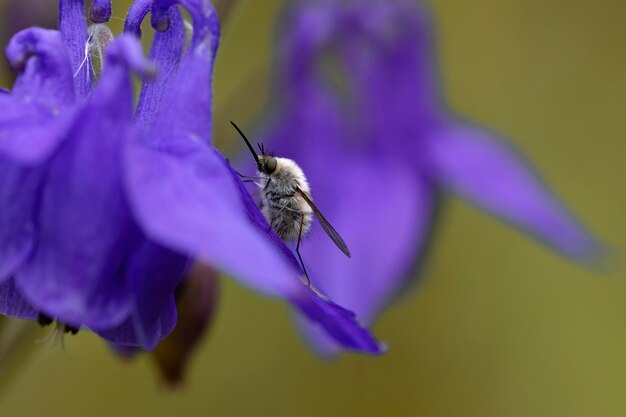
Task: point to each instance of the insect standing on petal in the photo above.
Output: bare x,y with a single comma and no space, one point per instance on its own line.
286,200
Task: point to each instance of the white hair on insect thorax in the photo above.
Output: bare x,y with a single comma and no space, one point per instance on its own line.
287,213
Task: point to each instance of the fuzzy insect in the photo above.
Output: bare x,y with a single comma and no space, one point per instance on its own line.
286,200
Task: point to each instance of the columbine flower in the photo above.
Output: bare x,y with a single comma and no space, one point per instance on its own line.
358,109
102,208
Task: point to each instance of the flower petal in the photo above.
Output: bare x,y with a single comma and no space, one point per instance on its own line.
166,51
197,300
153,272
73,27
18,195
30,125
12,303
85,228
398,209
83,225
310,25
184,196
126,336
483,169
137,12
29,132
45,73
188,98
335,325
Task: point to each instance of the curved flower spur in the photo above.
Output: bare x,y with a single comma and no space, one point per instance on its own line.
102,207
389,148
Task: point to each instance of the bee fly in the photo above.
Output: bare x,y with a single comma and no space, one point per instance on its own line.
286,200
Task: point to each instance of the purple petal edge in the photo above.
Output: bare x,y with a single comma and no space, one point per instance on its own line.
492,175
339,323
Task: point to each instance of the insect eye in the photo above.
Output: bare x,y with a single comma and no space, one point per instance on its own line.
270,165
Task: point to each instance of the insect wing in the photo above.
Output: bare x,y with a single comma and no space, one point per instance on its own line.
330,231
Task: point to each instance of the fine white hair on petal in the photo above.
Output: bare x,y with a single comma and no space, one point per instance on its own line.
100,36
188,28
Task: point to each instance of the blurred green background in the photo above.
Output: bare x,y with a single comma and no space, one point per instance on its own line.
499,326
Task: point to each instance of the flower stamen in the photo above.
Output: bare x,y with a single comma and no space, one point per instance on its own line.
58,331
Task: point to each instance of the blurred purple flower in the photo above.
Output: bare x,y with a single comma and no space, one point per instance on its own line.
359,110
16,15
102,208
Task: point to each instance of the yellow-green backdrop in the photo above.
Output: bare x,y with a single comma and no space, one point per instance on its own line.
500,326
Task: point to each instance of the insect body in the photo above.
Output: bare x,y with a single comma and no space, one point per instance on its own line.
283,206
286,200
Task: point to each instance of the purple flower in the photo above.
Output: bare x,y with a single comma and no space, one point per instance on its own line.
358,109
103,206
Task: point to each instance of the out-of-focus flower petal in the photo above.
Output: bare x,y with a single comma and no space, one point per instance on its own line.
85,228
45,73
29,132
197,300
385,216
359,110
309,26
316,117
133,332
18,190
30,125
12,303
483,169
124,55
153,273
394,39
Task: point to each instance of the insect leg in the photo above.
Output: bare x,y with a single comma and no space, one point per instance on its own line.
308,280
286,208
249,176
